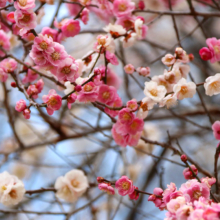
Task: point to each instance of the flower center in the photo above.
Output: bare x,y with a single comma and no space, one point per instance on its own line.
55,56
66,70
26,18
126,116
52,101
75,183
23,2
43,45
215,85
102,41
105,95
153,92
184,90
66,190
125,185
4,188
13,194
122,7
70,27
216,49
197,194
88,88
144,107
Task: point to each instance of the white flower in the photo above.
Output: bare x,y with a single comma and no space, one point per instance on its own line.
172,76
181,55
129,41
170,101
69,87
146,105
80,66
184,89
71,186
11,189
182,68
212,85
160,80
154,91
106,42
168,60
115,28
138,27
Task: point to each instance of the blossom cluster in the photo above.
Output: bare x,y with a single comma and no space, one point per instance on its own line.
191,201
124,186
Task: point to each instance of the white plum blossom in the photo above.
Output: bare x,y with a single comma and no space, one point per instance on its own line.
182,68
212,85
115,29
129,41
168,60
161,81
154,91
69,87
106,42
71,186
173,76
169,101
146,105
138,27
11,189
184,89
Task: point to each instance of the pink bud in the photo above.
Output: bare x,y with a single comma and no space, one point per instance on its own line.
187,173
141,4
27,113
129,69
205,53
13,84
183,158
100,179
78,88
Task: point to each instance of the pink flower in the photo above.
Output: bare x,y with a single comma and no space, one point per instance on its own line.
205,53
170,193
11,17
44,43
196,215
9,65
135,126
31,75
27,113
3,75
208,181
129,69
71,99
24,4
38,56
143,71
116,103
3,3
25,19
89,93
157,198
70,28
184,211
50,33
214,46
125,116
32,91
193,190
187,173
67,70
39,85
4,42
107,94
124,186
107,188
132,105
111,58
216,130
53,101
20,105
85,15
122,8
134,195
141,5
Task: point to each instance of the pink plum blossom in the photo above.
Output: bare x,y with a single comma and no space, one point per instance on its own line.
125,116
123,7
3,75
106,188
116,103
25,19
70,28
187,173
20,105
216,130
89,93
4,42
136,125
44,43
205,53
135,194
85,16
24,4
27,113
132,105
111,58
53,101
214,47
50,33
71,99
107,94
124,186
129,69
67,70
9,65
143,71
